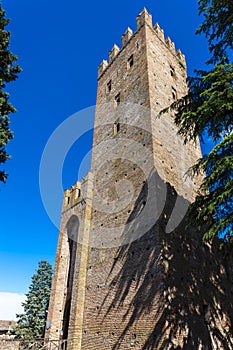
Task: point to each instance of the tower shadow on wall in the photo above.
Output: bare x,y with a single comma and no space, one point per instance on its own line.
182,286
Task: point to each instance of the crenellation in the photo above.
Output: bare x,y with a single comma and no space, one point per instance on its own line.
159,31
76,190
170,44
181,56
66,199
103,65
72,196
126,36
144,18
113,52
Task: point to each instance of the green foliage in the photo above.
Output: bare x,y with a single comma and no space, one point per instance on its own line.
181,64
213,207
31,324
8,72
217,27
208,108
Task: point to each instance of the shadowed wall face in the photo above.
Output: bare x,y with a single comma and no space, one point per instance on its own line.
72,234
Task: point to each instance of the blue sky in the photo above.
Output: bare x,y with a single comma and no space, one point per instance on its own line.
60,45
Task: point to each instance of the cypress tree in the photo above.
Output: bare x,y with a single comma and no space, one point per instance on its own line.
31,323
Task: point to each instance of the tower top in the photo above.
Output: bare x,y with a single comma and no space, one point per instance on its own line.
143,19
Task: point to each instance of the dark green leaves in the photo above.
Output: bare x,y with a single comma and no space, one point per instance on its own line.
208,108
217,27
209,104
213,207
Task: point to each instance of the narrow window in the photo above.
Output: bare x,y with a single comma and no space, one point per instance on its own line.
174,93
118,99
68,200
172,71
109,86
130,62
116,128
77,193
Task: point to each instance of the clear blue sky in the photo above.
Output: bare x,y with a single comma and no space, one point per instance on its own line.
60,44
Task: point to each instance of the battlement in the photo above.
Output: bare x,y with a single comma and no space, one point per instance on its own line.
72,196
144,18
113,53
126,36
77,193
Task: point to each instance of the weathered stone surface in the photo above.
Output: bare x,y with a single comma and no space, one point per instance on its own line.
9,344
6,326
7,341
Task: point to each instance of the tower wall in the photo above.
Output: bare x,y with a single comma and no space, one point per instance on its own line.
118,267
167,82
140,279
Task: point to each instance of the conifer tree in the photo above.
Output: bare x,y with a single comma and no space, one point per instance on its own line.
208,107
217,27
31,323
8,72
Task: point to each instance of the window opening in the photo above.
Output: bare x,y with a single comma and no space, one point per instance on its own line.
116,128
174,93
118,99
109,86
130,61
172,71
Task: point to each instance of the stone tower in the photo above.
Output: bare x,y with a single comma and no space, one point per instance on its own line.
128,274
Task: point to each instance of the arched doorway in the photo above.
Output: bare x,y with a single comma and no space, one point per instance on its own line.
72,228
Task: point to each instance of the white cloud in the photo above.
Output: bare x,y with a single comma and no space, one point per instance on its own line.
10,305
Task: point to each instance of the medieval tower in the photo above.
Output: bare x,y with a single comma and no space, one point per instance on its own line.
128,274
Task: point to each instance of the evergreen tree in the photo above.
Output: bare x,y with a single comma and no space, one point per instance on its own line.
208,107
217,27
8,72
31,324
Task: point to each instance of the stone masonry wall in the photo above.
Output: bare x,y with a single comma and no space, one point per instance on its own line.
8,344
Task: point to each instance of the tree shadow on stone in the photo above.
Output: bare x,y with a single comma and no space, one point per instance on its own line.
178,290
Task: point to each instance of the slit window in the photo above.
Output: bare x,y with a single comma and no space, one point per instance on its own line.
109,86
118,99
174,93
130,62
116,128
78,193
172,71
